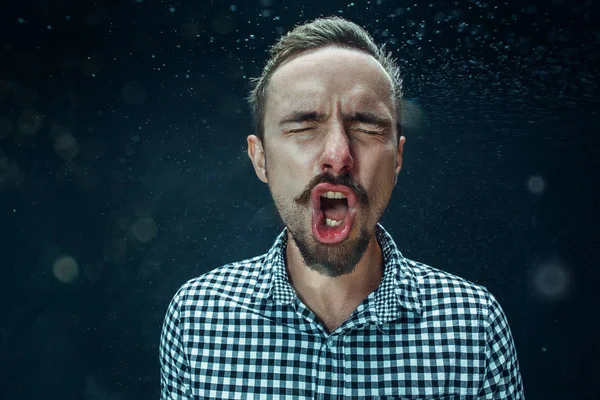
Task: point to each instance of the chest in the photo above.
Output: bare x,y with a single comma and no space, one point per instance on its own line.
361,363
331,323
331,320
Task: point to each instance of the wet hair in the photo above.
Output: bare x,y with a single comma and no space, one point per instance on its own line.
321,32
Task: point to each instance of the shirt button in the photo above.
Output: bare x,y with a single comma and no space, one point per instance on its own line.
331,343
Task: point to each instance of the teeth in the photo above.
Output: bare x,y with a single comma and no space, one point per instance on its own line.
332,222
333,195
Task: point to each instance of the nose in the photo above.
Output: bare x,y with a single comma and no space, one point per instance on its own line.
336,156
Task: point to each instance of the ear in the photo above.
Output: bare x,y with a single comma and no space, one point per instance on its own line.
257,156
399,157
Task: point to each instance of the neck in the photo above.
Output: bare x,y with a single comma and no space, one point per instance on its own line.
335,294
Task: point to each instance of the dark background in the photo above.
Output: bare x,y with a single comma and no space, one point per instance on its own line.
124,173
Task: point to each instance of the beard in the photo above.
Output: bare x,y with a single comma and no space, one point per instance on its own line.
332,260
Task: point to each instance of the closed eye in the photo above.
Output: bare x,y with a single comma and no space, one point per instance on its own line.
300,130
369,132
359,130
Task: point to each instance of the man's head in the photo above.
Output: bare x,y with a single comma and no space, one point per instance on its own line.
327,112
322,32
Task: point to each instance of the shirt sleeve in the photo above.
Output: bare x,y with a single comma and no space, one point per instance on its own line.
502,376
174,367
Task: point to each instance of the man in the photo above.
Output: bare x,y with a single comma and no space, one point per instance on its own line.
333,310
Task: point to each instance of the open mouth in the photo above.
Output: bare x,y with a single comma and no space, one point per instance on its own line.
333,211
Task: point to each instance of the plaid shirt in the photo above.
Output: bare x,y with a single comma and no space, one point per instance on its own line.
241,332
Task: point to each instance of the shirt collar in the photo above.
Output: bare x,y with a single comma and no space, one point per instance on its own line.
399,281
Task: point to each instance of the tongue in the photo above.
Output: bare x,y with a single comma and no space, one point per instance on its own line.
336,211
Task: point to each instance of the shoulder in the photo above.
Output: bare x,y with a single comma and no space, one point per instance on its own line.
442,289
234,280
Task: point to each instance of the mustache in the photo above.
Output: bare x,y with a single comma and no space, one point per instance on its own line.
342,180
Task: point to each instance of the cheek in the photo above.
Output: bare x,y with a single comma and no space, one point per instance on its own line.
295,162
283,179
382,177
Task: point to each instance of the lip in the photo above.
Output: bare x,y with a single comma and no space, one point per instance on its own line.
315,197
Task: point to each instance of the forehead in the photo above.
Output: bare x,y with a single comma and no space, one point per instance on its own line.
352,77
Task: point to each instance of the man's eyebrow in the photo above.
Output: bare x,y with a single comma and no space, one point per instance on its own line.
367,117
364,117
301,116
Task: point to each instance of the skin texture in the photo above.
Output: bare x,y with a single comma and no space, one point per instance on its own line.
335,83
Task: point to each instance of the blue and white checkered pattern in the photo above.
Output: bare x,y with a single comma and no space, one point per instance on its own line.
241,332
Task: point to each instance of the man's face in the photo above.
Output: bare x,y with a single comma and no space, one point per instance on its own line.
330,120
